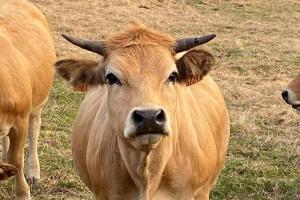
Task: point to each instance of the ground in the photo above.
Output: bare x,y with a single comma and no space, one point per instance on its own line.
257,51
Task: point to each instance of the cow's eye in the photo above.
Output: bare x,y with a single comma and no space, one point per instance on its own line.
172,78
112,79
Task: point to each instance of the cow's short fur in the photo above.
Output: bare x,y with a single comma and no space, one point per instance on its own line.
185,163
26,73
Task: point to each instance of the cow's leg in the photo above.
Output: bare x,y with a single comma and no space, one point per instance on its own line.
5,146
33,165
203,193
101,196
17,138
202,197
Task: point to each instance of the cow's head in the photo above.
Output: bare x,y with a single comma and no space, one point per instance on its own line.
291,94
142,76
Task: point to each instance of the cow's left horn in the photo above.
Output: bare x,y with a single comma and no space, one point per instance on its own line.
188,43
90,45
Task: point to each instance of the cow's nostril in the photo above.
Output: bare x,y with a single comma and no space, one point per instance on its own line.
160,116
137,117
285,95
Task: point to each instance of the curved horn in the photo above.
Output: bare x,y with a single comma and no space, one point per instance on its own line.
188,43
90,45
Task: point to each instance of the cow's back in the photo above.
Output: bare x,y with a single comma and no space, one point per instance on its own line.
29,52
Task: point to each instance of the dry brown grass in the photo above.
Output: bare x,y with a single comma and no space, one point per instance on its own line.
258,52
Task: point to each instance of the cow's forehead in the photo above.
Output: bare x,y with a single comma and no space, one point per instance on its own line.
141,60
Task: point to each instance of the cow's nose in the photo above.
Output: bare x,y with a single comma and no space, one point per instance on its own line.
285,95
149,120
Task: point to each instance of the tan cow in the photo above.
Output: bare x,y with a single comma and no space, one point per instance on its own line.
27,56
141,132
291,94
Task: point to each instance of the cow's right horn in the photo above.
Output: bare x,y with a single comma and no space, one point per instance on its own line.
90,45
188,43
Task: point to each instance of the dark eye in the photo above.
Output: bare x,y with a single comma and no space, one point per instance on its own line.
172,78
112,79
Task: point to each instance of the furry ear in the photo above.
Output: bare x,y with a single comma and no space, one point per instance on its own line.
81,74
193,66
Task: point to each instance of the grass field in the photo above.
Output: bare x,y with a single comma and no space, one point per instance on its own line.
257,51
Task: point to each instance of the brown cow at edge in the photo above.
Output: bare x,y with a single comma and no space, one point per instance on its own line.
141,132
26,75
291,94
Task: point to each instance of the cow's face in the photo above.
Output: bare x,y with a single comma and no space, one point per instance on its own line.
291,94
143,80
141,83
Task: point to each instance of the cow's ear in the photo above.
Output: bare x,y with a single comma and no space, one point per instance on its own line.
81,74
193,66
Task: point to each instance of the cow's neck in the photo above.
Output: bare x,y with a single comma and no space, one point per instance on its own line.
145,168
143,176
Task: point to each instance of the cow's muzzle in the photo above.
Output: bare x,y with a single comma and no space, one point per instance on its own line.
147,120
290,97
